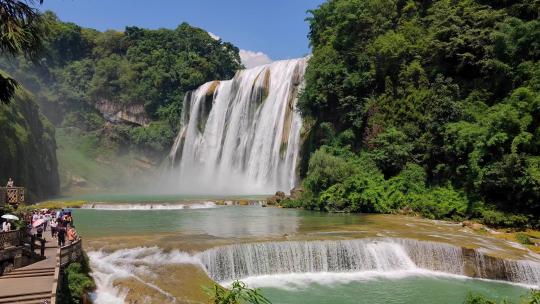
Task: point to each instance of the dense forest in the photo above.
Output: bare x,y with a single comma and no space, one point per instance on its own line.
427,107
117,95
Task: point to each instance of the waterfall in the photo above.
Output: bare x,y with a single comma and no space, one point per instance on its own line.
380,255
241,136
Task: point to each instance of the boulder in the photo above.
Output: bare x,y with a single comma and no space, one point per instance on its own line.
296,192
473,225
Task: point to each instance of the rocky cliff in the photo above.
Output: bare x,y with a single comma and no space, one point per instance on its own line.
28,148
121,113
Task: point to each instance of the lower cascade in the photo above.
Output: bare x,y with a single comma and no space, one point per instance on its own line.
240,136
238,261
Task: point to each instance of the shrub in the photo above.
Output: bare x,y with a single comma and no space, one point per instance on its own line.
358,193
523,239
440,203
291,203
238,294
326,169
532,298
76,282
496,218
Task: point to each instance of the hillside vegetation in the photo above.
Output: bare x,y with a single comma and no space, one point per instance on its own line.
117,95
27,147
430,107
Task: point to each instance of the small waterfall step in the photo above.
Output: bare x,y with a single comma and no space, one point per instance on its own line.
382,255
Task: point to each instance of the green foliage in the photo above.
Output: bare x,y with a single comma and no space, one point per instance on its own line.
441,203
157,136
523,238
495,218
532,298
239,293
477,299
391,151
21,33
76,282
347,183
450,86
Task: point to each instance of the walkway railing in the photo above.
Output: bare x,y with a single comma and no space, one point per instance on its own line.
13,238
64,256
11,195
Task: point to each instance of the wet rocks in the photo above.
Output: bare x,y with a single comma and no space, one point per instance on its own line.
473,225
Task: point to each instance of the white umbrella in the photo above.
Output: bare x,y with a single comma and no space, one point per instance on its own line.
10,217
45,209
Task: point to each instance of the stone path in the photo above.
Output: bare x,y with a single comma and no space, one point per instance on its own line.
32,283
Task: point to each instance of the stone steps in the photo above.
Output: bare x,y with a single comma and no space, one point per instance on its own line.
28,298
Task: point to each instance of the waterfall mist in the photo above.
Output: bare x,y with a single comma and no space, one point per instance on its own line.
240,136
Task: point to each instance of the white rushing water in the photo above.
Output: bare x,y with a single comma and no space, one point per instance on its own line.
240,136
150,206
381,256
280,264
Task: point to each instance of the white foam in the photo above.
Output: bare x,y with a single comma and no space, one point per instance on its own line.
297,281
150,206
135,263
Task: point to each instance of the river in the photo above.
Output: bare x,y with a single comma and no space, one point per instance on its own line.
166,252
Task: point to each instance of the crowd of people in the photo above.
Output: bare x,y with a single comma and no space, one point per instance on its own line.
60,223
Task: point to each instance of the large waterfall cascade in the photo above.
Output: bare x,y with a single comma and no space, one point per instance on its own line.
384,255
241,136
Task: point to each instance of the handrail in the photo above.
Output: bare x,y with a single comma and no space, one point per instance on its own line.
56,278
71,253
12,238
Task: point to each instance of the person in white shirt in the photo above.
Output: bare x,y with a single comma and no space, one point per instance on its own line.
9,183
6,226
54,224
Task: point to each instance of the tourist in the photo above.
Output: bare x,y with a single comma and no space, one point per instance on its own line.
47,218
61,235
39,231
72,234
54,224
9,183
68,219
35,217
6,226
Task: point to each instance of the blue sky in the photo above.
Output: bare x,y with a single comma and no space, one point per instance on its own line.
275,28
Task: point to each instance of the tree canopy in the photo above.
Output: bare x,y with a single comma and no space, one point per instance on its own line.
448,87
20,33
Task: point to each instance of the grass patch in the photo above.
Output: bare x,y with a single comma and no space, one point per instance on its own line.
60,204
523,238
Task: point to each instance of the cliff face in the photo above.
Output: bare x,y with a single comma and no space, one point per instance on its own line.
118,113
28,148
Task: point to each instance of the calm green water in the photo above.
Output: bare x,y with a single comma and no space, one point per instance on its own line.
240,221
413,290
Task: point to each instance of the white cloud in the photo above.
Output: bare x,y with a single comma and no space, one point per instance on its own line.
216,37
252,59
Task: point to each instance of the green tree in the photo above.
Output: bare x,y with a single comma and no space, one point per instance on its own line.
20,33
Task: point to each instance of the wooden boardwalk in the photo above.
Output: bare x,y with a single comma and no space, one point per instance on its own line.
32,283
